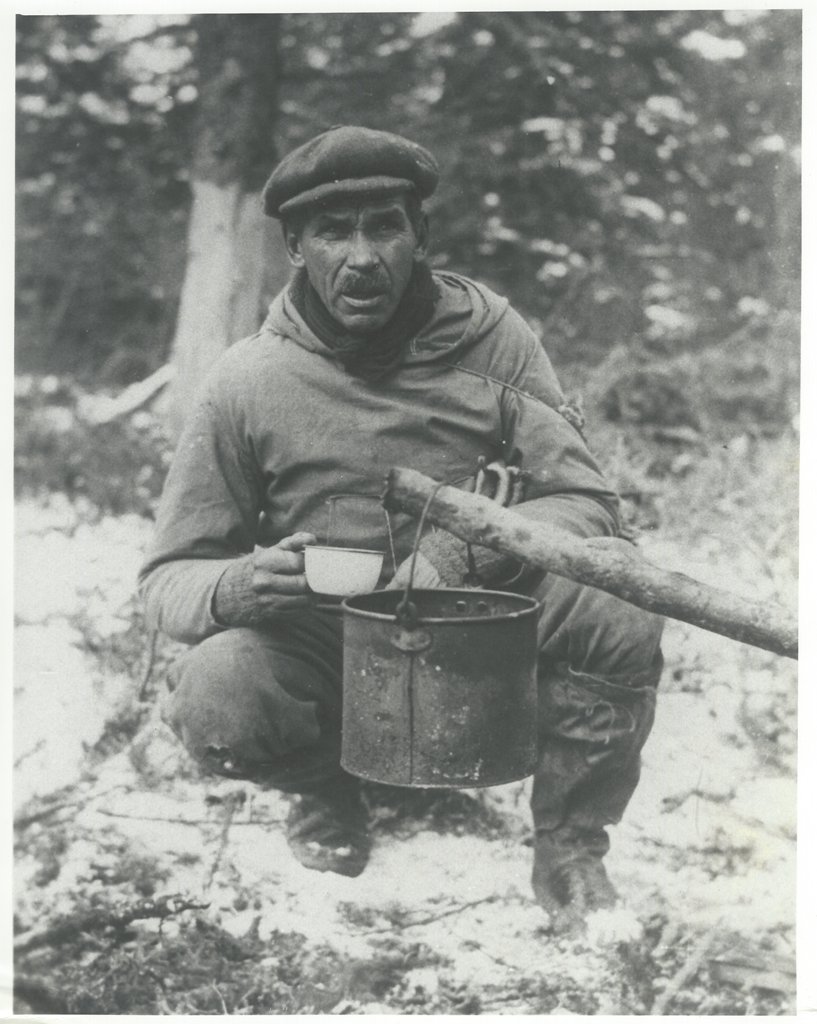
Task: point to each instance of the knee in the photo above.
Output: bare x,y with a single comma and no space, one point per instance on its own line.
597,633
615,638
227,706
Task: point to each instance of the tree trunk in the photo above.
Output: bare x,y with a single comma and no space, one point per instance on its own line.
236,260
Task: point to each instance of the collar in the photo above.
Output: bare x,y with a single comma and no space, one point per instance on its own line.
373,357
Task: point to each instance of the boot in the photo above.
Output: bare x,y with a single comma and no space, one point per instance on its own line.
569,879
327,828
591,735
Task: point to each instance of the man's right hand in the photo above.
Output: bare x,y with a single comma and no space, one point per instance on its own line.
278,579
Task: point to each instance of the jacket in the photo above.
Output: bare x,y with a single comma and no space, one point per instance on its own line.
283,439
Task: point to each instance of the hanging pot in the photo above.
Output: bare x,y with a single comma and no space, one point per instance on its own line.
439,690
439,686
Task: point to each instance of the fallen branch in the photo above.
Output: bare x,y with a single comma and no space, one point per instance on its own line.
687,972
772,973
38,746
76,805
607,563
231,803
472,943
151,659
99,919
25,820
185,821
99,409
401,925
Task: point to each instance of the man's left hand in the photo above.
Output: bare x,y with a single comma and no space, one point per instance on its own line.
426,576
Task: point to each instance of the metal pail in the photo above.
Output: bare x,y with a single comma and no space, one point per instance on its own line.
441,690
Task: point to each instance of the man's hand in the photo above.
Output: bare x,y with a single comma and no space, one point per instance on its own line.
426,576
278,579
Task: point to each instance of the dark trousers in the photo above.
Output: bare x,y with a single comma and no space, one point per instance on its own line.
265,704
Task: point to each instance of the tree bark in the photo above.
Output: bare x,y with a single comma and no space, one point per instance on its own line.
606,563
236,259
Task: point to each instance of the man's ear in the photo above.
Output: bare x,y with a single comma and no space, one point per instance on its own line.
292,240
422,232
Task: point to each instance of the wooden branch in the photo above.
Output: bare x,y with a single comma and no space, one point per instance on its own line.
687,972
100,409
262,822
50,804
606,563
151,659
232,802
400,925
98,919
772,972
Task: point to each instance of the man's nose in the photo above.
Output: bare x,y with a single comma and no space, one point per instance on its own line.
362,254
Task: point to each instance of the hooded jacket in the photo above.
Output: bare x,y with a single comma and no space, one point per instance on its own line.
283,439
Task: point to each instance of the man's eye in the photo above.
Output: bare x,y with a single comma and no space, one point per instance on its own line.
387,227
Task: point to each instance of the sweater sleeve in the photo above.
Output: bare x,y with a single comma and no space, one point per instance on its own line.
564,489
207,519
565,483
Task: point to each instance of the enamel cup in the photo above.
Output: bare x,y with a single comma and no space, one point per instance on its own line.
341,572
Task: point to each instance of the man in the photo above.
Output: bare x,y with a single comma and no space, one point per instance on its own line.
365,361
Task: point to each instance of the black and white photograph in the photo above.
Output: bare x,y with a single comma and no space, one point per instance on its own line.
406,508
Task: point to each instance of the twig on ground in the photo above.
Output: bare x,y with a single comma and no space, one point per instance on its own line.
775,973
687,972
154,642
107,917
401,925
184,821
231,803
164,1007
472,943
217,991
30,819
24,820
38,746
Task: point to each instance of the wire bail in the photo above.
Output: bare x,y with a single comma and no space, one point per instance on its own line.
406,612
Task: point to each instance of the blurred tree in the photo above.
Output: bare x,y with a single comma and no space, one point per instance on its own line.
231,253
100,180
614,169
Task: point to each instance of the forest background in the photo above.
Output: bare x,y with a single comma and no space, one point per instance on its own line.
631,181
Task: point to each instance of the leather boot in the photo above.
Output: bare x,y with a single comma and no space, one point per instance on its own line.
591,733
327,828
569,880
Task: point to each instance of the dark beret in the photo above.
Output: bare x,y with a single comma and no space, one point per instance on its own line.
349,159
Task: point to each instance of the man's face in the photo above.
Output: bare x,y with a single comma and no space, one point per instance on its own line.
359,256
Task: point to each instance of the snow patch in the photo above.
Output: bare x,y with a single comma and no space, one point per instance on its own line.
713,47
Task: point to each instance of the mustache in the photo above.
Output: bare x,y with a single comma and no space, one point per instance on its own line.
358,286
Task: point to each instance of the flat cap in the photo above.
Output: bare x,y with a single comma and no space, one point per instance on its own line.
349,159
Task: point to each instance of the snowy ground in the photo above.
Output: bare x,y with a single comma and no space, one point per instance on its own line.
704,859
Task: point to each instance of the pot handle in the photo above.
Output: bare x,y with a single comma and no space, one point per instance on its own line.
406,612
